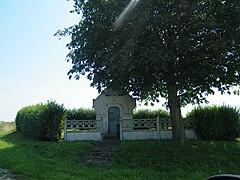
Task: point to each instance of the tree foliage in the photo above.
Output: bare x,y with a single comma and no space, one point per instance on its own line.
177,49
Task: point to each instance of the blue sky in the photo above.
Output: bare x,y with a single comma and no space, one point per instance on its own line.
32,61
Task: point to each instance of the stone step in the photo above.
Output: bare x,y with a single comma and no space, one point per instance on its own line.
102,153
96,158
104,156
97,154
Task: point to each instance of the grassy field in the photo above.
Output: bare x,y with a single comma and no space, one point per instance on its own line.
164,159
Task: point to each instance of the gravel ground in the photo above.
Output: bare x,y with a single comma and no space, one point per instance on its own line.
6,175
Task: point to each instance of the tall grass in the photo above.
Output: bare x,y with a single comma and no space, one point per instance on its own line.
152,159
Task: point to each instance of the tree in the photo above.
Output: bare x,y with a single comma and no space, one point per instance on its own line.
177,49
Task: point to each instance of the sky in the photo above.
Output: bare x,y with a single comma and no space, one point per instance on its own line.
33,68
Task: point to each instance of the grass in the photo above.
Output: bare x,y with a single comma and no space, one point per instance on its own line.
164,159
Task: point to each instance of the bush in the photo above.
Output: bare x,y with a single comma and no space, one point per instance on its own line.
53,117
89,114
216,123
28,121
81,114
41,121
146,113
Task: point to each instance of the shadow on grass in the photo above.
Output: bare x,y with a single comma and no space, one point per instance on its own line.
152,159
51,160
32,158
193,156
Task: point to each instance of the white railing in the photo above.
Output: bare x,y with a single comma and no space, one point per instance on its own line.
82,130
81,125
148,124
144,124
188,123
158,128
130,129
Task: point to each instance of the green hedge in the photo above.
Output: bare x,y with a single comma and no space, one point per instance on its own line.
41,121
81,114
146,113
88,114
216,122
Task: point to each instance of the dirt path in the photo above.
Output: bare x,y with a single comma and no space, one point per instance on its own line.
6,175
101,154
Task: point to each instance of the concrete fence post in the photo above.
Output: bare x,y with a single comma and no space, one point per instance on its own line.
158,128
121,129
101,125
101,129
65,129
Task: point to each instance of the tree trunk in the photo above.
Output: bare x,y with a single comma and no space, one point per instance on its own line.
175,112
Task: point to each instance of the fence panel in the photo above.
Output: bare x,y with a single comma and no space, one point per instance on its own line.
75,130
159,128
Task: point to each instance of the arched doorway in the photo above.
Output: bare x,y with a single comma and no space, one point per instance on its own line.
113,121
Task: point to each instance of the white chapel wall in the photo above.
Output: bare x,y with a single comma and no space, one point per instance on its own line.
102,103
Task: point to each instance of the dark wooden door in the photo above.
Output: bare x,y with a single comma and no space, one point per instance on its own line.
113,121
